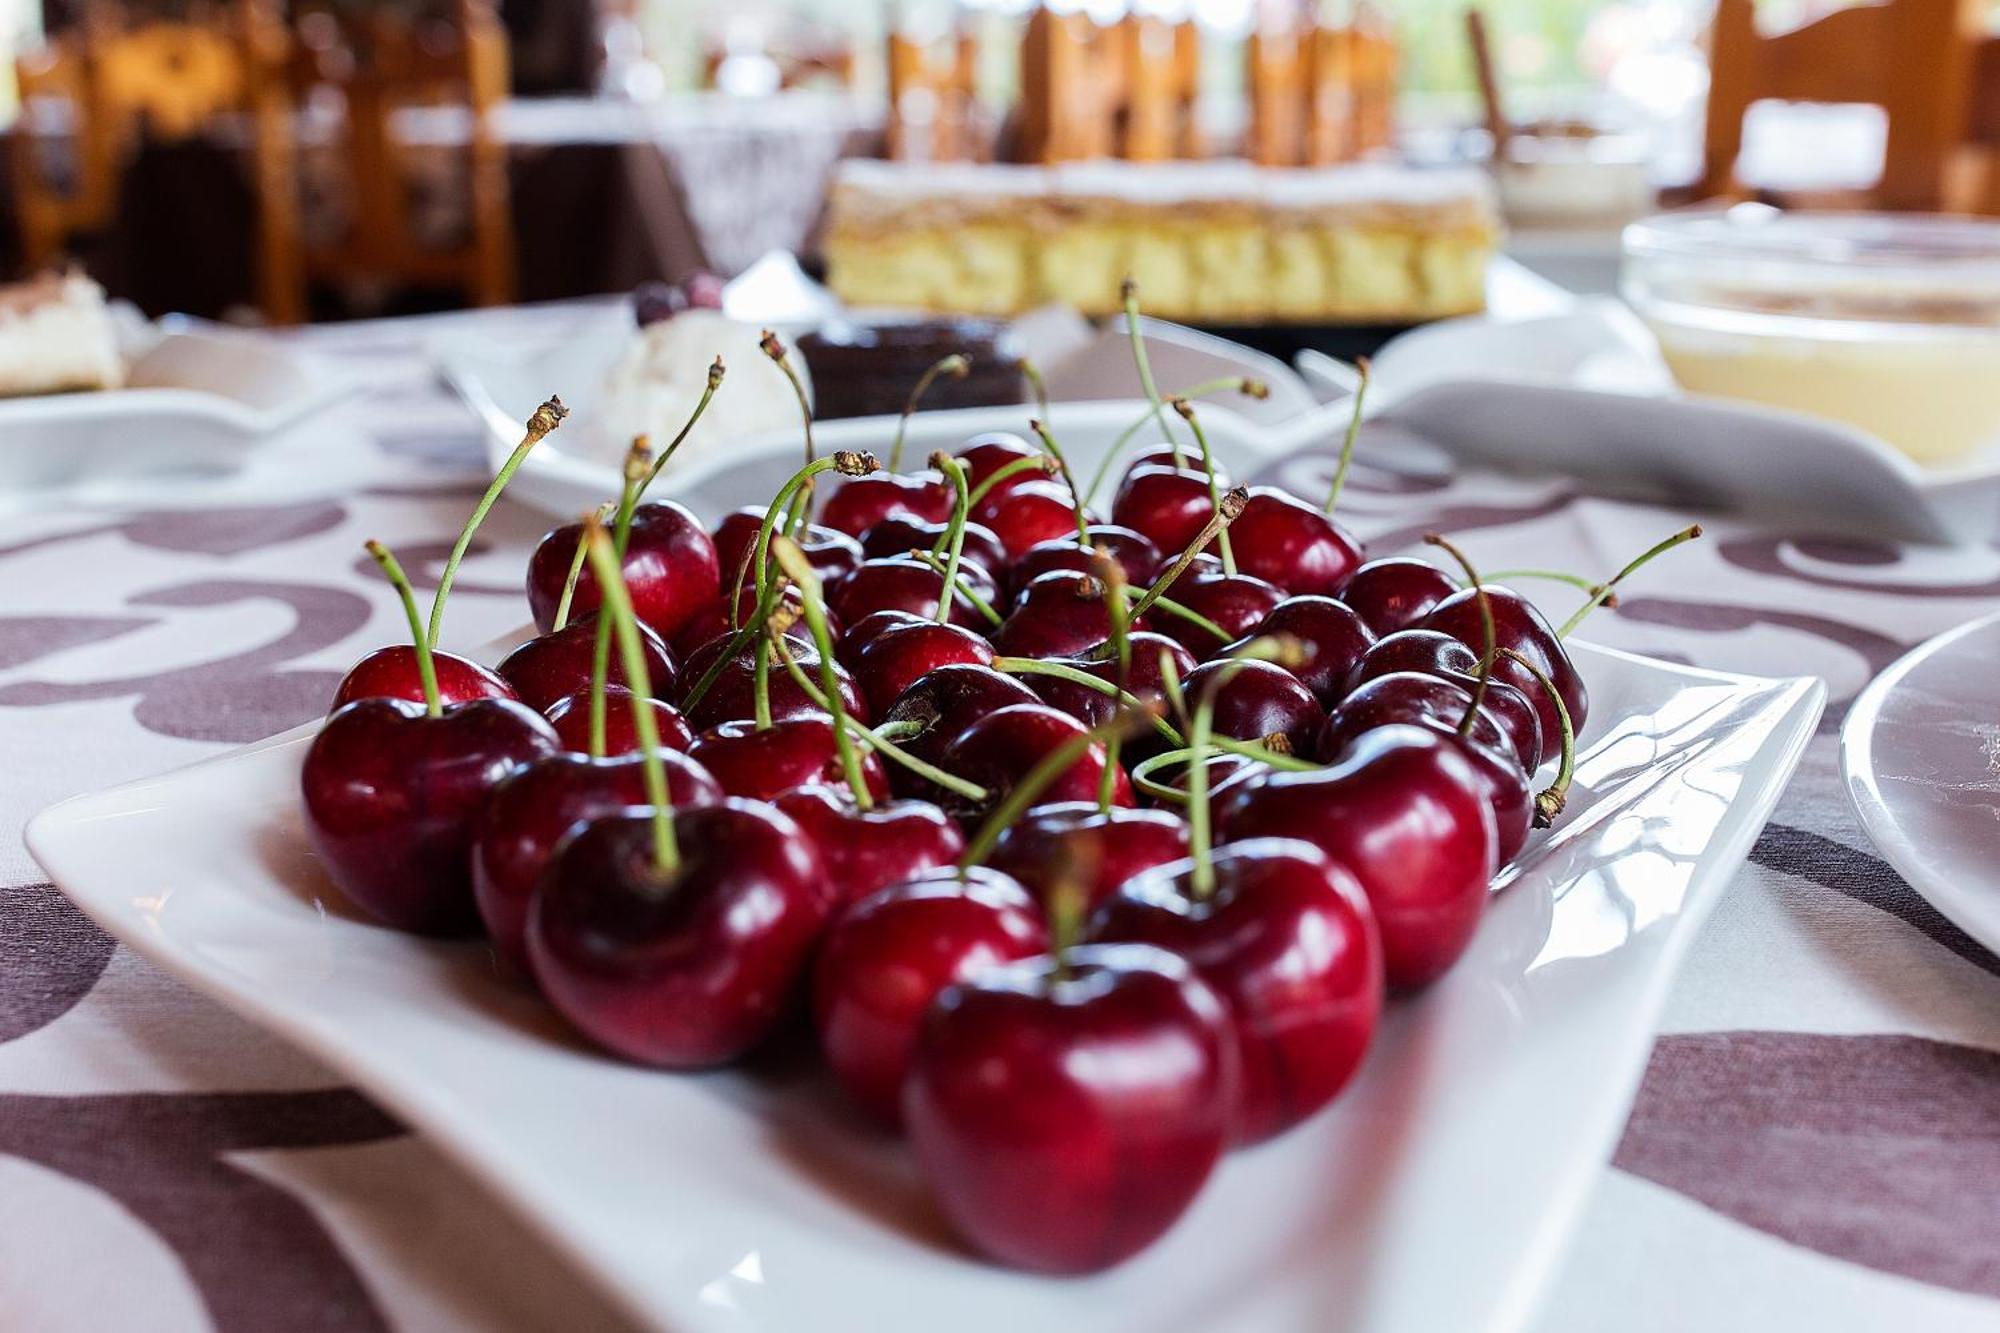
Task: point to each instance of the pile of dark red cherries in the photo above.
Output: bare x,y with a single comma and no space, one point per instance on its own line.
1094,845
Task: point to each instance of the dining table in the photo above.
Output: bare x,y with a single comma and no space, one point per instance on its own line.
1815,1143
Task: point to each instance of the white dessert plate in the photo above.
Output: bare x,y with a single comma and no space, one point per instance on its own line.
1585,393
1436,1194
1920,754
196,401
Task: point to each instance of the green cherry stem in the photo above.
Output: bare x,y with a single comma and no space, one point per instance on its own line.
605,564
1598,599
1062,466
605,512
797,568
1550,800
1128,297
715,373
545,419
757,555
882,740
954,533
1227,508
636,472
1035,666
1588,587
1043,464
426,664
957,365
1037,386
1024,793
1249,388
768,342
1186,409
1361,371
1478,587
1116,606
978,603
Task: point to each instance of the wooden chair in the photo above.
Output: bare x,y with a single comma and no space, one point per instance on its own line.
383,64
1127,91
164,82
1322,95
1912,58
933,103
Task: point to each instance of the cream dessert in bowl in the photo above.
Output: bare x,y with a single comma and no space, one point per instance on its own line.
1887,323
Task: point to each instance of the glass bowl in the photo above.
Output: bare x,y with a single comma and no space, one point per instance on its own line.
1886,322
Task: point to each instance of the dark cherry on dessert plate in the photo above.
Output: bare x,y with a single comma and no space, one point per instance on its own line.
1431,653
886,958
1328,639
1067,1109
1403,812
557,664
763,762
570,716
532,810
1396,593
1286,938
685,965
1287,542
1260,701
670,566
1100,849
391,673
944,702
900,654
1137,556
859,503
1001,748
866,850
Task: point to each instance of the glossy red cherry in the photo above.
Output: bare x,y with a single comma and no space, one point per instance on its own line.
759,763
1519,626
670,566
1286,938
984,455
1168,506
859,503
1065,1115
1059,614
688,969
1143,681
1099,849
1328,636
1138,557
391,795
830,552
391,673
900,654
1433,654
554,665
1396,593
570,716
886,958
1439,705
713,623
1401,810
1165,455
999,749
532,810
866,850
1260,701
943,703
904,583
733,695
899,536
1026,515
1237,603
1287,542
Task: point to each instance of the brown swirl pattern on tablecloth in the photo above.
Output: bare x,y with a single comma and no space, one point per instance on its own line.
134,639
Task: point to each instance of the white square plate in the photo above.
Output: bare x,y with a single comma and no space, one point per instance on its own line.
196,401
1434,1196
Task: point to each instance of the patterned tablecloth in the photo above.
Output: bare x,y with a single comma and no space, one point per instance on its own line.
1816,1144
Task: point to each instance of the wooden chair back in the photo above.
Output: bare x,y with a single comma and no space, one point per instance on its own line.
1912,58
383,65
1129,90
932,100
